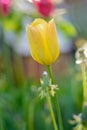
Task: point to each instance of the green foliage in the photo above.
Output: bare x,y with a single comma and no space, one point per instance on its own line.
22,109
67,29
13,22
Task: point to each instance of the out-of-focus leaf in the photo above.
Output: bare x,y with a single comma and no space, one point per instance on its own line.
67,28
13,22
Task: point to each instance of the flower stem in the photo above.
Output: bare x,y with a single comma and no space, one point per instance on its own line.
84,82
56,100
52,113
50,73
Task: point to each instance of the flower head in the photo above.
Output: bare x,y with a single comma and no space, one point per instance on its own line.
5,6
81,54
43,41
44,7
47,87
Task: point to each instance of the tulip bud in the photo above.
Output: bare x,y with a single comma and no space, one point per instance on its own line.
43,41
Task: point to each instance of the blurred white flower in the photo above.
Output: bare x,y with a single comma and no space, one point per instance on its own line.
81,54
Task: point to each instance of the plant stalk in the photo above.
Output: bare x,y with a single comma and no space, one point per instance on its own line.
52,113
56,100
84,82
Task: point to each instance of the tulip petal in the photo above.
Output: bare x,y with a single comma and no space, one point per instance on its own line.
52,40
36,38
38,21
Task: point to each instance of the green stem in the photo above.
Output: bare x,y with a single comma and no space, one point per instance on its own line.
58,112
52,113
50,73
84,82
56,100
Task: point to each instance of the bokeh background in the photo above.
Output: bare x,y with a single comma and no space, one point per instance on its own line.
20,106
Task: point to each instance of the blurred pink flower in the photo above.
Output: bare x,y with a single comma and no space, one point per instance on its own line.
44,7
5,6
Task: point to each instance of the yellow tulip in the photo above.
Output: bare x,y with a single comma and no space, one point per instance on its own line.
43,41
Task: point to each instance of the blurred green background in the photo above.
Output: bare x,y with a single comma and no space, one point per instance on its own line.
20,106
